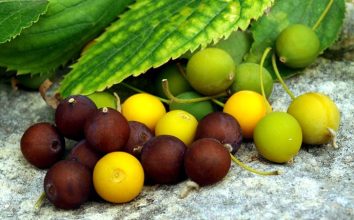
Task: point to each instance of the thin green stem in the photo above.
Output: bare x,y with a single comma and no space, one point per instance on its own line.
218,103
172,98
39,201
252,170
274,63
141,91
323,15
264,56
181,70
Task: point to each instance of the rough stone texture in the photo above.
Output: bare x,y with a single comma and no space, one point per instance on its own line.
318,185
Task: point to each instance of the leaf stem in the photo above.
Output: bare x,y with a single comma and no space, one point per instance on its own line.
141,91
323,15
252,170
173,98
287,90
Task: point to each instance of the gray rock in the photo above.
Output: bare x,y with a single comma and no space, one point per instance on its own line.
318,185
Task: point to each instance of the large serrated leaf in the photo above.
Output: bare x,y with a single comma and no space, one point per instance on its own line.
59,35
284,13
151,33
15,15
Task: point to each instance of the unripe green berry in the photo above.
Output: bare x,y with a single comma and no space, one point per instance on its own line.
297,46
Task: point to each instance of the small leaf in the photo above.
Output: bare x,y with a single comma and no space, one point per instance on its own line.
284,13
15,15
59,35
151,33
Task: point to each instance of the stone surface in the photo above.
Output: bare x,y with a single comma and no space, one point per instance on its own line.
318,185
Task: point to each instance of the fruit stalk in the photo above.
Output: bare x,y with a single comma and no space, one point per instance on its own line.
287,90
173,98
244,166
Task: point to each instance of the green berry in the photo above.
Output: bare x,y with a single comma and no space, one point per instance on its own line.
104,99
278,137
177,82
247,78
297,46
210,71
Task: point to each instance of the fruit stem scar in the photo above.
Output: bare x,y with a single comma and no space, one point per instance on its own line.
71,100
250,169
190,185
172,98
333,137
141,91
39,201
323,15
104,109
285,87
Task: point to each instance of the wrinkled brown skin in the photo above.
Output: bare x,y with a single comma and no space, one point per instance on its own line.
162,160
107,131
70,117
68,184
221,126
207,161
139,135
85,154
42,145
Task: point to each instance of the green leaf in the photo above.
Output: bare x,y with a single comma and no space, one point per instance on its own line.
15,15
284,13
59,35
153,32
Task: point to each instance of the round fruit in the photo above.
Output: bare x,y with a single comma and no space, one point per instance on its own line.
177,123
221,126
247,78
107,130
33,81
316,113
84,153
68,184
104,99
144,108
42,145
207,161
210,71
278,137
197,109
139,135
162,159
297,46
71,115
118,177
247,107
177,82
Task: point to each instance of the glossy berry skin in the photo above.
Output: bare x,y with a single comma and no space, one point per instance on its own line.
139,135
278,137
68,184
207,161
162,159
210,71
107,130
221,126
42,145
84,153
297,46
316,113
247,78
71,115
